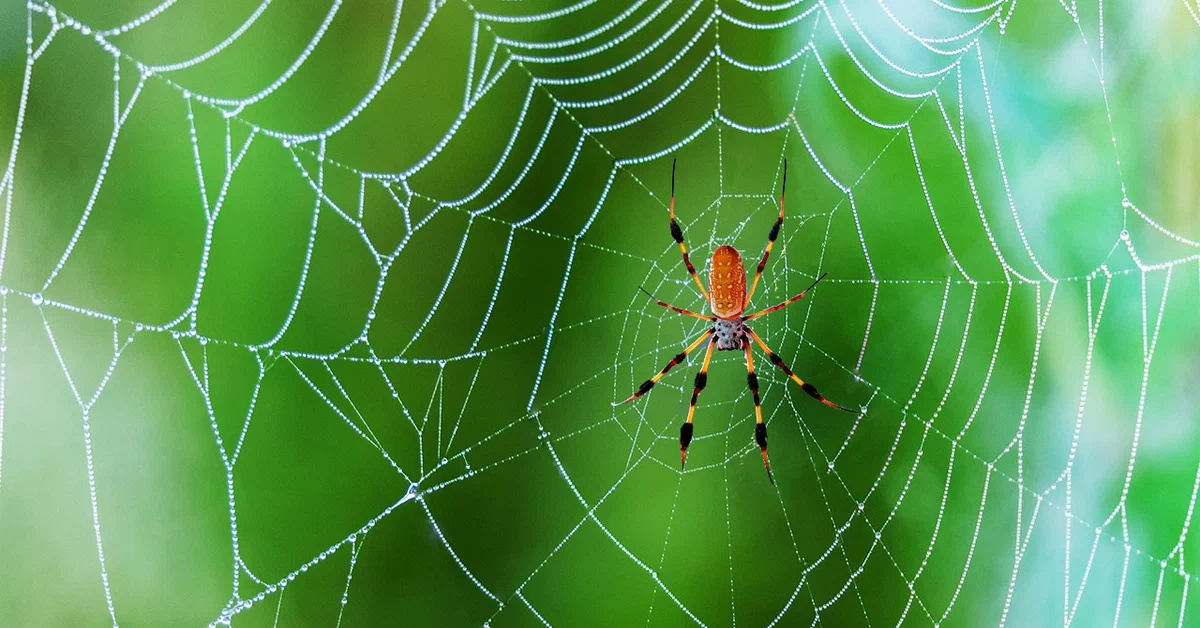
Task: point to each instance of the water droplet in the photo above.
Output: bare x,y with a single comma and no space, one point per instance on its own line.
861,505
445,460
138,327
1125,235
371,315
3,290
37,298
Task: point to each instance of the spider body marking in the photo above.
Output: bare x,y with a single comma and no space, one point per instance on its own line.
730,334
728,298
727,283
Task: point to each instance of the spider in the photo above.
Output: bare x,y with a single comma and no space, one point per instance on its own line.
727,297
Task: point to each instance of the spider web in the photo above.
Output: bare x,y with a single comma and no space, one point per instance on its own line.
315,314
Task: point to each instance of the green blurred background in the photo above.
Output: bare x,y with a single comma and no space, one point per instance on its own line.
336,327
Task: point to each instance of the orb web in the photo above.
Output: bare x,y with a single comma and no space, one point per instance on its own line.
290,284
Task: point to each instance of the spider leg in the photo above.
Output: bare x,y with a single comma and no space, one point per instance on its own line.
677,233
680,357
703,317
770,239
760,428
685,430
785,303
808,388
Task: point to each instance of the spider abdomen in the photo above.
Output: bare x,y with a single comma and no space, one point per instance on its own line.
727,282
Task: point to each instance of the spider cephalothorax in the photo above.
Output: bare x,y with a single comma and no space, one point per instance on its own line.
727,298
730,334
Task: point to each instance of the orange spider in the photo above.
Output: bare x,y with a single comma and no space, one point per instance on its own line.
727,297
